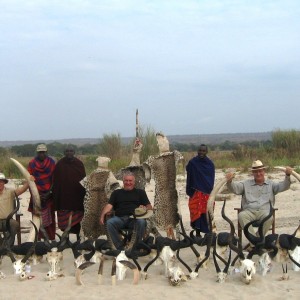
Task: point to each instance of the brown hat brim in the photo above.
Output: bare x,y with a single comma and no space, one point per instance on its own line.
259,168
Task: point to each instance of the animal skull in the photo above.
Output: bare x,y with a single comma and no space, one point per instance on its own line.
296,256
168,257
265,263
19,266
247,270
54,257
221,277
121,268
176,276
52,276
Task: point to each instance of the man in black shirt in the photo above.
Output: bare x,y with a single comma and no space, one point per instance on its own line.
124,202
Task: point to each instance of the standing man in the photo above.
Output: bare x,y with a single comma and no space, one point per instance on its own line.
124,202
256,194
7,205
68,193
199,184
41,168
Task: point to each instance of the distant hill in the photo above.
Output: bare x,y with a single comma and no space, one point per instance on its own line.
210,139
213,139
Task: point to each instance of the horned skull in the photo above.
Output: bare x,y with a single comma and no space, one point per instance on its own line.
247,270
176,276
54,257
121,268
265,263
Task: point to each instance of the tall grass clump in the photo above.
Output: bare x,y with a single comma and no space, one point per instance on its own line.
148,137
286,142
90,163
9,168
111,146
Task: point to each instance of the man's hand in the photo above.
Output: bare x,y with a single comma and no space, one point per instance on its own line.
101,220
229,176
288,171
148,207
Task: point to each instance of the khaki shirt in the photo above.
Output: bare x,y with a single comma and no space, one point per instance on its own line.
7,202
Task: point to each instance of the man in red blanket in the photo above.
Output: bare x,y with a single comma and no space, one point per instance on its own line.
41,168
199,184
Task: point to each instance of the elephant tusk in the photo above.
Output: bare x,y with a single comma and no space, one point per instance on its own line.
294,173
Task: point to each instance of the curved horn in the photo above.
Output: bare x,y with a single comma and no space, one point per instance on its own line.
181,260
46,237
296,231
293,260
211,201
294,173
180,244
133,267
250,237
79,271
113,272
187,237
151,261
218,269
16,208
283,270
65,234
134,238
232,233
112,252
228,263
32,186
31,249
9,217
88,256
210,238
109,239
258,241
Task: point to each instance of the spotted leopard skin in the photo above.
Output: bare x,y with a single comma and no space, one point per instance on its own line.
163,170
98,189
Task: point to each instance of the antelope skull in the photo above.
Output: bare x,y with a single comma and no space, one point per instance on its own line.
247,270
265,263
121,268
54,258
176,276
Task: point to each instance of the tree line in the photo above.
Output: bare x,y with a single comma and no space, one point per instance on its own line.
283,149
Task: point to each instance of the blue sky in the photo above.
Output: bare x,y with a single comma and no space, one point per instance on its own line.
80,69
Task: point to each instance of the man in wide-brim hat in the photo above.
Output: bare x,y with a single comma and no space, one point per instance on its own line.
7,205
256,194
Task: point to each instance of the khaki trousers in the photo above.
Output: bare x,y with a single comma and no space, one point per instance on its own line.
14,228
248,215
